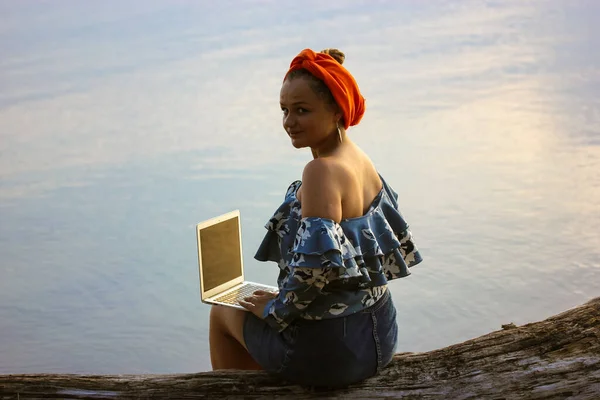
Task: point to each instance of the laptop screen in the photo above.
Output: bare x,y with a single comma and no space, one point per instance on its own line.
221,253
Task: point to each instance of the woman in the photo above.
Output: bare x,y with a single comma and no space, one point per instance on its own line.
338,238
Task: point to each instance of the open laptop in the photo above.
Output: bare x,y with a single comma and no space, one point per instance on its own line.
220,262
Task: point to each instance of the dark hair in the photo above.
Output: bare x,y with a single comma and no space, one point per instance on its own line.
317,85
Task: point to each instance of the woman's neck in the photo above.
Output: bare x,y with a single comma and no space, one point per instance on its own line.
330,145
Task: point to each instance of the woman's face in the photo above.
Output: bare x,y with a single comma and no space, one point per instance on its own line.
307,119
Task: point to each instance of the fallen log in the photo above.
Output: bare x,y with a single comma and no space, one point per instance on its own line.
556,358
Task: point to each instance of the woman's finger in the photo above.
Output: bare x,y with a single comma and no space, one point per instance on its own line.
253,308
247,305
264,293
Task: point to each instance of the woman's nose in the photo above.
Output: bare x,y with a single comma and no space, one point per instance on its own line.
288,122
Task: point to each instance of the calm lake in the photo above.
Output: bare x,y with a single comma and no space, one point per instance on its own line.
123,124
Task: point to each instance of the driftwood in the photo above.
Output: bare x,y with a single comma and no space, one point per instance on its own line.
553,359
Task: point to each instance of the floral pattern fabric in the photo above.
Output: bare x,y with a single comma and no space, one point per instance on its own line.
330,269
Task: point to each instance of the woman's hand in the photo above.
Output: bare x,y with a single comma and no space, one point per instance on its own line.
257,302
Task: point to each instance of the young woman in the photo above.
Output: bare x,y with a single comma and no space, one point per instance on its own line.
338,238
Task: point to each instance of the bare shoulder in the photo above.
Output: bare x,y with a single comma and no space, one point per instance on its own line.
321,189
321,169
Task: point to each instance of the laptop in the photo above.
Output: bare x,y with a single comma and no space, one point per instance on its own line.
220,262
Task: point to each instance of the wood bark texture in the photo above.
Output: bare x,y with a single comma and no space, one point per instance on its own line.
557,358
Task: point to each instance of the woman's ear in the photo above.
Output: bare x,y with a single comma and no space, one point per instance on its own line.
338,118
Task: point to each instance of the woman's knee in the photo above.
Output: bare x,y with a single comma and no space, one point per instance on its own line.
216,317
230,321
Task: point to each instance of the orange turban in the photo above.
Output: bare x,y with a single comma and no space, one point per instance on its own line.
340,82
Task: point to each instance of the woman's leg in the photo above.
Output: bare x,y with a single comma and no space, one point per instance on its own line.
226,339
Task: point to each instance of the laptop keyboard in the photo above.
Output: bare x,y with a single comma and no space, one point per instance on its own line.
240,293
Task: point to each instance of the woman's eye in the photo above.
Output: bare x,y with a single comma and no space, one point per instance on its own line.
285,111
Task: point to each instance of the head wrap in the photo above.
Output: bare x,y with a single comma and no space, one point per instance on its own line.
340,82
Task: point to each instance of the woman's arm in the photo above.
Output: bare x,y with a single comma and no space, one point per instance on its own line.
301,288
321,198
321,190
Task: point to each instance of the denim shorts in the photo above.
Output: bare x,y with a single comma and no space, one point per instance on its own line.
333,352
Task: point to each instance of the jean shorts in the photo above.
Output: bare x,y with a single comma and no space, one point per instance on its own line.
331,353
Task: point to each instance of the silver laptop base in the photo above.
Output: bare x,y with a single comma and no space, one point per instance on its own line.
232,296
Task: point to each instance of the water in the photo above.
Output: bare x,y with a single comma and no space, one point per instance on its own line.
122,125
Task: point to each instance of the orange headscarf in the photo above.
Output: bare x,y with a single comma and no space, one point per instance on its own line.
340,82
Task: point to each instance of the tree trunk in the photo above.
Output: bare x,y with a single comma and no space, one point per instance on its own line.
553,359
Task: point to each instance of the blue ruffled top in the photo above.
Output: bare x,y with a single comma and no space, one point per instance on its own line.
330,269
